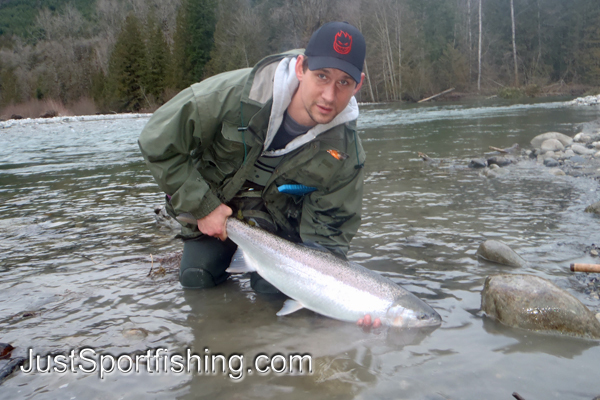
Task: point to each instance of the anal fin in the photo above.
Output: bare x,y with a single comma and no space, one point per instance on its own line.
239,263
290,306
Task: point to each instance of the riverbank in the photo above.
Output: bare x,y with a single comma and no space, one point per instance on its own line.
80,118
48,109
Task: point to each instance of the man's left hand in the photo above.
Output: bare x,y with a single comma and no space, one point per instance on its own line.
367,323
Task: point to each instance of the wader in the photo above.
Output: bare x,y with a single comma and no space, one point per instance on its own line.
206,258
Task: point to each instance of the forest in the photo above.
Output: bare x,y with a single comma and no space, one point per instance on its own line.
133,55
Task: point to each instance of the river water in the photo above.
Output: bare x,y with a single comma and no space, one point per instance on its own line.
77,231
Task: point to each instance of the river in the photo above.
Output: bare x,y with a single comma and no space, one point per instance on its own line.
77,231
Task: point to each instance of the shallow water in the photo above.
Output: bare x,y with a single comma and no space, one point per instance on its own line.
77,230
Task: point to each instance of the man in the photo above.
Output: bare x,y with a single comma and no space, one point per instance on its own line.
229,144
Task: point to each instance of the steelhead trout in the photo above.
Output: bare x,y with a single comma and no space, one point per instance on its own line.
321,282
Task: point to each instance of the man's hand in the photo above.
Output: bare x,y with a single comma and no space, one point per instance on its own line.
366,322
214,224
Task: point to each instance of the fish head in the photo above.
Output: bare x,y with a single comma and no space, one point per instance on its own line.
399,315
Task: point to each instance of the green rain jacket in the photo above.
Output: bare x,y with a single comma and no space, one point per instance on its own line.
201,145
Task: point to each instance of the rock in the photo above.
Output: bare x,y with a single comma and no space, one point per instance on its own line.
478,163
514,149
592,128
489,173
5,350
557,172
501,161
594,253
494,166
494,172
135,333
163,219
586,101
498,252
582,150
533,303
10,367
582,138
16,116
597,155
569,153
550,154
49,114
539,139
528,152
594,208
596,145
552,145
577,160
550,162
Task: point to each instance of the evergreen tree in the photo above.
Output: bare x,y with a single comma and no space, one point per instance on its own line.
194,39
128,67
157,59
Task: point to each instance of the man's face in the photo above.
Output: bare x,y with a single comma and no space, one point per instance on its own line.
323,93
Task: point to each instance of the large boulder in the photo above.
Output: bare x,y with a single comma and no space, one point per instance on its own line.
498,252
533,303
539,139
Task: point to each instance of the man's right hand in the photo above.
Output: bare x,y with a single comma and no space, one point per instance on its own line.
215,223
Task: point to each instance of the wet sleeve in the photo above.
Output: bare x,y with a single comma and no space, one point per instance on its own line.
332,219
167,141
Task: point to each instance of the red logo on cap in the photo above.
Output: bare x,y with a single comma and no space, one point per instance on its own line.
342,42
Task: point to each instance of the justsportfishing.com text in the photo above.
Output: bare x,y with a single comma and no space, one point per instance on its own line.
235,366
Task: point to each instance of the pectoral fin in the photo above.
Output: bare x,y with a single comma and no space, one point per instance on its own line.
290,306
239,264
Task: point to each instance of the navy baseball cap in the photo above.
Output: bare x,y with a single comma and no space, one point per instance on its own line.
337,45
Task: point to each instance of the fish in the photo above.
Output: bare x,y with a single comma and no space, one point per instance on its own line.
324,283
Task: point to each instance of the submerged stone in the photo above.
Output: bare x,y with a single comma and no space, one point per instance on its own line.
478,163
533,303
5,350
594,208
501,161
557,172
498,252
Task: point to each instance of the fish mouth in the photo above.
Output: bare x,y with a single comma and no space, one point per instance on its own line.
429,321
416,319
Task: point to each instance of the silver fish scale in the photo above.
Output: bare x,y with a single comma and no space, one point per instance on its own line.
318,280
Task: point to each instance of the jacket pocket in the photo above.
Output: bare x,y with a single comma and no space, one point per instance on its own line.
226,154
